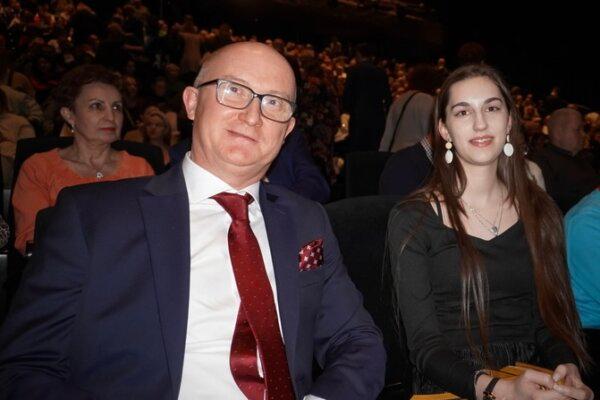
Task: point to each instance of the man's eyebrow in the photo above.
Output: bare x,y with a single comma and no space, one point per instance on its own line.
278,93
465,104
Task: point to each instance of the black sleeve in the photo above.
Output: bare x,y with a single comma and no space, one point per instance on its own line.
409,244
553,350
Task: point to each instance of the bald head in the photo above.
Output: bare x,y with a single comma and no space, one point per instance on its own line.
251,55
565,129
238,144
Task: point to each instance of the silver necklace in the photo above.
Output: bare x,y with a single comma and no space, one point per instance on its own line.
492,227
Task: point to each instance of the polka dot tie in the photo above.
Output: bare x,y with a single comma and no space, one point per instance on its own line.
257,324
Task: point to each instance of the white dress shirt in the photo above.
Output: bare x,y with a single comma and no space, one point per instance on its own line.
214,300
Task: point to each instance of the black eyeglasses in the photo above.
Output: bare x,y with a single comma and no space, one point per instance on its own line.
236,95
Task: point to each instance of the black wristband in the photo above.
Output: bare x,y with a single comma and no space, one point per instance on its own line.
488,392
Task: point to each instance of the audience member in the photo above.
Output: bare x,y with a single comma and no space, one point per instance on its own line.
409,118
133,251
12,78
366,98
582,230
22,104
156,130
92,107
568,176
12,128
478,260
190,60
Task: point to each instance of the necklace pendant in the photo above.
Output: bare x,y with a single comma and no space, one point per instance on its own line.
494,230
99,175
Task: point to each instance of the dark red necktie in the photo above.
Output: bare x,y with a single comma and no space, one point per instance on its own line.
257,323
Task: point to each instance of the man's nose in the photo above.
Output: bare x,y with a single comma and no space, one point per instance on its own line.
252,114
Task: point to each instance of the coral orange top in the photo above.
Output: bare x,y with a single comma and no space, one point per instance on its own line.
44,175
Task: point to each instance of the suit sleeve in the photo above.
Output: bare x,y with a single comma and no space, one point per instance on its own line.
36,336
348,345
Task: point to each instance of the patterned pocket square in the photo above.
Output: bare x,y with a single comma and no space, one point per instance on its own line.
311,256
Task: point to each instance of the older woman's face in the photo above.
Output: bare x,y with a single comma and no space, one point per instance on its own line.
97,113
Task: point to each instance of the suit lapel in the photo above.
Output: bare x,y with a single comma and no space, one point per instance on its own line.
281,233
165,209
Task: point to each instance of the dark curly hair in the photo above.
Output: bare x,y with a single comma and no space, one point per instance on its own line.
71,83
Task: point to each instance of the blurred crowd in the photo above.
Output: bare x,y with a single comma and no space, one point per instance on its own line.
157,59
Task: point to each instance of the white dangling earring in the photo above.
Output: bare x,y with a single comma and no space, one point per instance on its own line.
449,156
508,148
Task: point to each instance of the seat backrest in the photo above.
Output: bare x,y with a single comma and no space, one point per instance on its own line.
360,225
150,152
363,169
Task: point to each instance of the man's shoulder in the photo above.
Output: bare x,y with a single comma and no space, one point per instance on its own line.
278,192
544,155
118,190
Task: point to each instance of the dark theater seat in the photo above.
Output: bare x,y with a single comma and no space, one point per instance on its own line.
360,224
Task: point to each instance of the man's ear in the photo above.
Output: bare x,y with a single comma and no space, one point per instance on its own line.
190,101
291,123
68,116
443,130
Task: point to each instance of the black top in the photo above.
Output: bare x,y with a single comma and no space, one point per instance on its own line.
568,177
425,261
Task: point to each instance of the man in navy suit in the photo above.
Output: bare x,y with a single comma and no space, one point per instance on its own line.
134,291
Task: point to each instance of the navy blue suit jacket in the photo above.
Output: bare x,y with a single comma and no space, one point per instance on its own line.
102,310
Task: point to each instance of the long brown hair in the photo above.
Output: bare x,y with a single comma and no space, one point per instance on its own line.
541,218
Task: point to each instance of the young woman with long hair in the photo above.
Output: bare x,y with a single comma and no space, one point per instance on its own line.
478,257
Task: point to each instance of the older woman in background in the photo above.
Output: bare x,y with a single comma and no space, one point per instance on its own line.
92,107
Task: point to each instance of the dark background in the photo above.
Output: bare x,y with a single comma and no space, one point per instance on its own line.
536,44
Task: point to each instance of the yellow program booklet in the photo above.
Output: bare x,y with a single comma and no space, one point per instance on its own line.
508,372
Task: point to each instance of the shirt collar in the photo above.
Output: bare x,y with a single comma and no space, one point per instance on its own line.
202,185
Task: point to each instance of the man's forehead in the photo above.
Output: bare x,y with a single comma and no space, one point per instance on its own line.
253,64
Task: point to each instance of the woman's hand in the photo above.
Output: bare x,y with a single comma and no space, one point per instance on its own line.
572,386
529,385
